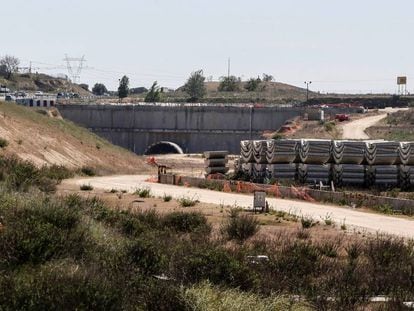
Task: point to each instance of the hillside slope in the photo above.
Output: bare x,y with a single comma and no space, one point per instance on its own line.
43,139
268,92
42,82
396,126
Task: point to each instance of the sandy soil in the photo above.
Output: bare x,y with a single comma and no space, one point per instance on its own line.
46,140
271,224
356,129
352,218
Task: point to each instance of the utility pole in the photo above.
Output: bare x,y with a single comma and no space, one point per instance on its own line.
307,89
228,68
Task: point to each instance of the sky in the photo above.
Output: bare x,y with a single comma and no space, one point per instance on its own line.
353,46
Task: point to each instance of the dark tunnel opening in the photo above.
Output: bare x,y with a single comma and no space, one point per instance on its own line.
163,148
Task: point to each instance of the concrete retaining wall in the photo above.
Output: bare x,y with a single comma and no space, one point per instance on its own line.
193,128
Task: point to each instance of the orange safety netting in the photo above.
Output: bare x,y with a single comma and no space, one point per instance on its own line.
274,189
216,176
302,194
226,187
152,161
247,187
152,179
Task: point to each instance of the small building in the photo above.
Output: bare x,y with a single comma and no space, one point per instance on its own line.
37,102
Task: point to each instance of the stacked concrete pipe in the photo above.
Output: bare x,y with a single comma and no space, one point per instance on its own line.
216,162
345,162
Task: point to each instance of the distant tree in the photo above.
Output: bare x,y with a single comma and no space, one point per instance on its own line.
84,86
253,84
3,70
138,90
154,93
123,89
10,65
195,86
267,78
99,89
229,84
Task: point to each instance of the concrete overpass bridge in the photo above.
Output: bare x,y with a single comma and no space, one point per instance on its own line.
180,128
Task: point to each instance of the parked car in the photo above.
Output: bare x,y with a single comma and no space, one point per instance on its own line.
10,98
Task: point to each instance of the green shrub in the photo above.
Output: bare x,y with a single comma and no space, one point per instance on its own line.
204,261
278,136
205,296
147,254
186,201
59,286
3,143
164,296
307,222
39,230
20,175
296,264
166,198
329,126
384,209
86,187
131,225
187,222
56,172
88,171
151,218
143,192
46,184
239,227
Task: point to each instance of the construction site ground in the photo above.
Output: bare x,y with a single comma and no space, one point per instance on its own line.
272,224
352,218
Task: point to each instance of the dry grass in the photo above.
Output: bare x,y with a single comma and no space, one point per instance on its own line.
46,140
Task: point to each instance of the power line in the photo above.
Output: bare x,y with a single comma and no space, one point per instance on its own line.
74,66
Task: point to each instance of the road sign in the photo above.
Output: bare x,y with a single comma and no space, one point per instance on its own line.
401,80
259,200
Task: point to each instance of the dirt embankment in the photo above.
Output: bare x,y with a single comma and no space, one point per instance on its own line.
396,126
42,82
34,135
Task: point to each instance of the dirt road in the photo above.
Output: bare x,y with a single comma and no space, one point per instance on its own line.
352,218
356,129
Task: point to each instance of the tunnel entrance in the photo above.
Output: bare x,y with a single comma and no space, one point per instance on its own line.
163,147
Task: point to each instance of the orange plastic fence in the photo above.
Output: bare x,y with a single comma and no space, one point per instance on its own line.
302,194
226,187
152,161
